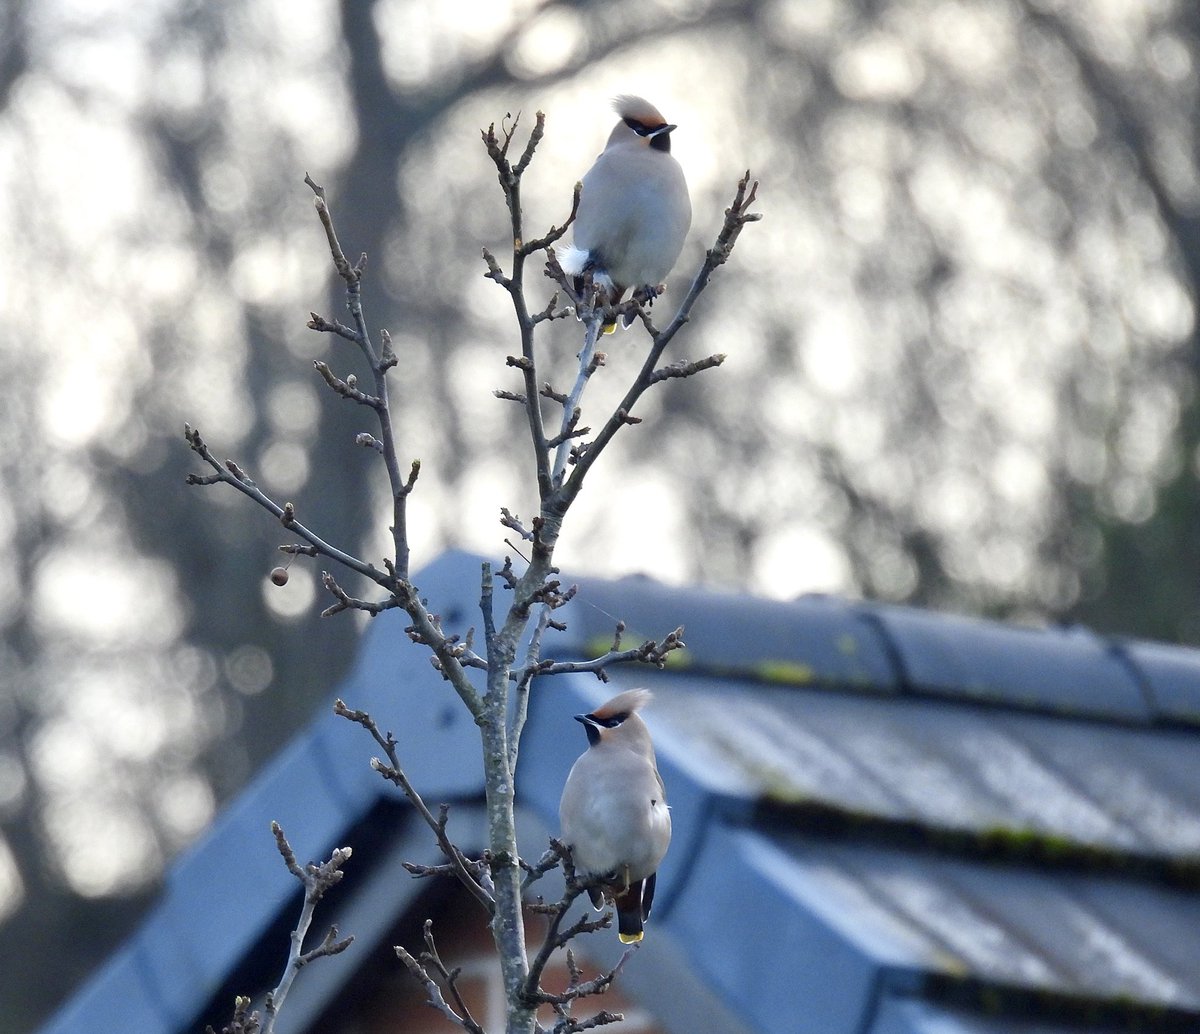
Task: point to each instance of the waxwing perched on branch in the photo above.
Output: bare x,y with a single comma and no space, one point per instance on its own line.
634,211
614,813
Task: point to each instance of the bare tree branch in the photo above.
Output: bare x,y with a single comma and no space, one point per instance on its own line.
243,1022
558,937
232,474
394,772
499,878
379,364
317,879
650,652
431,960
510,183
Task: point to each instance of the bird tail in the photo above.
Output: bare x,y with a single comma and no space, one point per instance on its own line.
632,912
629,926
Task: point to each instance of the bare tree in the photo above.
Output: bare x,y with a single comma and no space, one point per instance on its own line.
562,459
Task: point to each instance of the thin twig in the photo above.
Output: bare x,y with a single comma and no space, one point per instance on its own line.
592,329
683,368
231,474
317,879
347,602
514,284
595,986
652,651
557,937
521,707
434,993
394,772
379,363
547,863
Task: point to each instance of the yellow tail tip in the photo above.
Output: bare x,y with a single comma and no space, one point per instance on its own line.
610,327
630,938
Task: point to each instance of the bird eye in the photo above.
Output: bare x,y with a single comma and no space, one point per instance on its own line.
640,127
612,721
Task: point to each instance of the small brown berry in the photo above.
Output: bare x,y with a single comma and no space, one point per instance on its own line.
279,575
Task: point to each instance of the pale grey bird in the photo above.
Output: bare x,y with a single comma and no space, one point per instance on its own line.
613,812
634,210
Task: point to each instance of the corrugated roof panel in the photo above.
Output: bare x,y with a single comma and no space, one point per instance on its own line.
1088,931
968,768
1145,780
1138,913
1016,927
772,753
951,922
1064,670
779,942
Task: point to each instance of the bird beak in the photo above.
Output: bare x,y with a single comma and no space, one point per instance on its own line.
590,726
660,131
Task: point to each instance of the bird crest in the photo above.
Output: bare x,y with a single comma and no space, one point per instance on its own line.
639,110
624,704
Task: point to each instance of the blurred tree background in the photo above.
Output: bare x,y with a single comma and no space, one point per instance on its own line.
962,374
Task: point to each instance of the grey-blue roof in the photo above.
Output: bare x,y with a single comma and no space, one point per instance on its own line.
887,821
